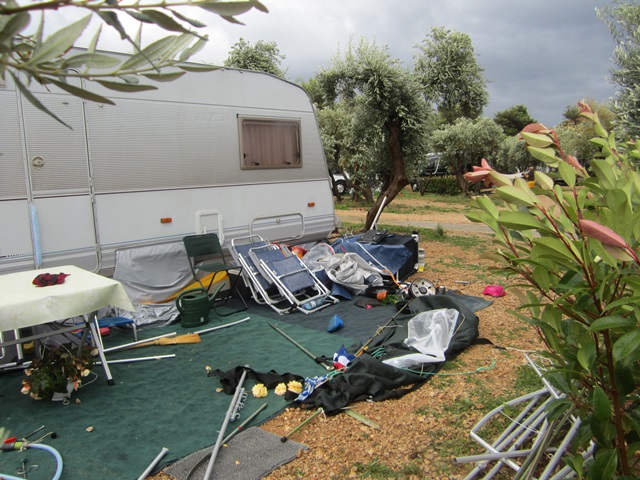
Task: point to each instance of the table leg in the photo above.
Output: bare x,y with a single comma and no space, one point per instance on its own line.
97,341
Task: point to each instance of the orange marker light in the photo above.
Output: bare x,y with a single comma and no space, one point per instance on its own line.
166,220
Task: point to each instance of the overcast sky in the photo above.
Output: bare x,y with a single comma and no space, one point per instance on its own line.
543,54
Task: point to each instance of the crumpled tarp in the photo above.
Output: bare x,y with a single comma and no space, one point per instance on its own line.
368,378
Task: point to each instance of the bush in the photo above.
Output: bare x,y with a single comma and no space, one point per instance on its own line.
446,185
574,250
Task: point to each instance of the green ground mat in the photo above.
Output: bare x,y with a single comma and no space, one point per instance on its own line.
168,403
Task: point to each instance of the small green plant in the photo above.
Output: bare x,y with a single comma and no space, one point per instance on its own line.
574,250
56,370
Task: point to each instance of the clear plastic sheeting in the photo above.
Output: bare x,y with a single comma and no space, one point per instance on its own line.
429,333
150,315
351,271
316,255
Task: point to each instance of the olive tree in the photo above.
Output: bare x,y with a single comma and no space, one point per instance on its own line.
27,56
623,21
262,57
452,79
389,118
465,143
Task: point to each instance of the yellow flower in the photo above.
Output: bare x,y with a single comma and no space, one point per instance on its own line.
86,372
294,386
281,389
259,390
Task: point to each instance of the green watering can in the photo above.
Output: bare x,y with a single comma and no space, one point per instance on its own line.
194,307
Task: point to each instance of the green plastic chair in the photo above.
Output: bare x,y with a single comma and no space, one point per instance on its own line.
205,254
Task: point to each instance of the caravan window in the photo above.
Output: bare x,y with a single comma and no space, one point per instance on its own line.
269,143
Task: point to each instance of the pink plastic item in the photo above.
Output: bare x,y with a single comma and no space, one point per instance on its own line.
494,291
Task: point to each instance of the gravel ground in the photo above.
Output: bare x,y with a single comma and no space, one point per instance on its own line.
419,434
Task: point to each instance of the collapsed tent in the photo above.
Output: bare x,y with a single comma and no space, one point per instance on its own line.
369,376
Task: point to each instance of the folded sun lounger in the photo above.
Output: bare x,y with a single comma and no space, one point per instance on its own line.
278,278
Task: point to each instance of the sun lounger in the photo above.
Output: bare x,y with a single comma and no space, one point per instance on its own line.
278,278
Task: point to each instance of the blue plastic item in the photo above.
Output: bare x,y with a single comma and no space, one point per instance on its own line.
335,324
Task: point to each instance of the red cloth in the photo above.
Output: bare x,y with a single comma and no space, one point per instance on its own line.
47,279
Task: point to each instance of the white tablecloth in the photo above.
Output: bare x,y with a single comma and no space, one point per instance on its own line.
22,304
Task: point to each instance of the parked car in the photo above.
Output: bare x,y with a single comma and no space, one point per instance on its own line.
340,182
432,167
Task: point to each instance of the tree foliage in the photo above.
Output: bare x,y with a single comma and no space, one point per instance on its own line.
452,79
29,57
261,57
623,21
513,119
512,156
465,143
575,134
388,117
575,254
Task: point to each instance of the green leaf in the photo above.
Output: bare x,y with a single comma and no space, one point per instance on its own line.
14,25
627,348
187,53
90,60
605,174
567,173
59,42
624,379
125,87
536,139
94,41
35,102
586,356
601,405
604,466
80,92
111,19
198,68
544,180
555,248
621,218
520,221
546,155
227,10
612,321
164,21
164,77
516,196
149,55
191,21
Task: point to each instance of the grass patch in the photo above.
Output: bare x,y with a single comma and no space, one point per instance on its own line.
377,469
426,235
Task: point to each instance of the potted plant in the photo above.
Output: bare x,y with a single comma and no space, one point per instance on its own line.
58,372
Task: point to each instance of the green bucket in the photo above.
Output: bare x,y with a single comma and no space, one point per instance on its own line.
194,307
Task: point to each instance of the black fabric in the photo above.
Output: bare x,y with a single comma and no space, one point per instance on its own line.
369,378
366,378
270,379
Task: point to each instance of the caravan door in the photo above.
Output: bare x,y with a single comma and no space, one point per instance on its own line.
60,189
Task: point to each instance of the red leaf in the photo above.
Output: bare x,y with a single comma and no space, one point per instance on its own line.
601,233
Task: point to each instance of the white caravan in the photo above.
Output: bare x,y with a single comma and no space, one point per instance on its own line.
229,151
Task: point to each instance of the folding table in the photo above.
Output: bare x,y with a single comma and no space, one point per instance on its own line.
83,293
